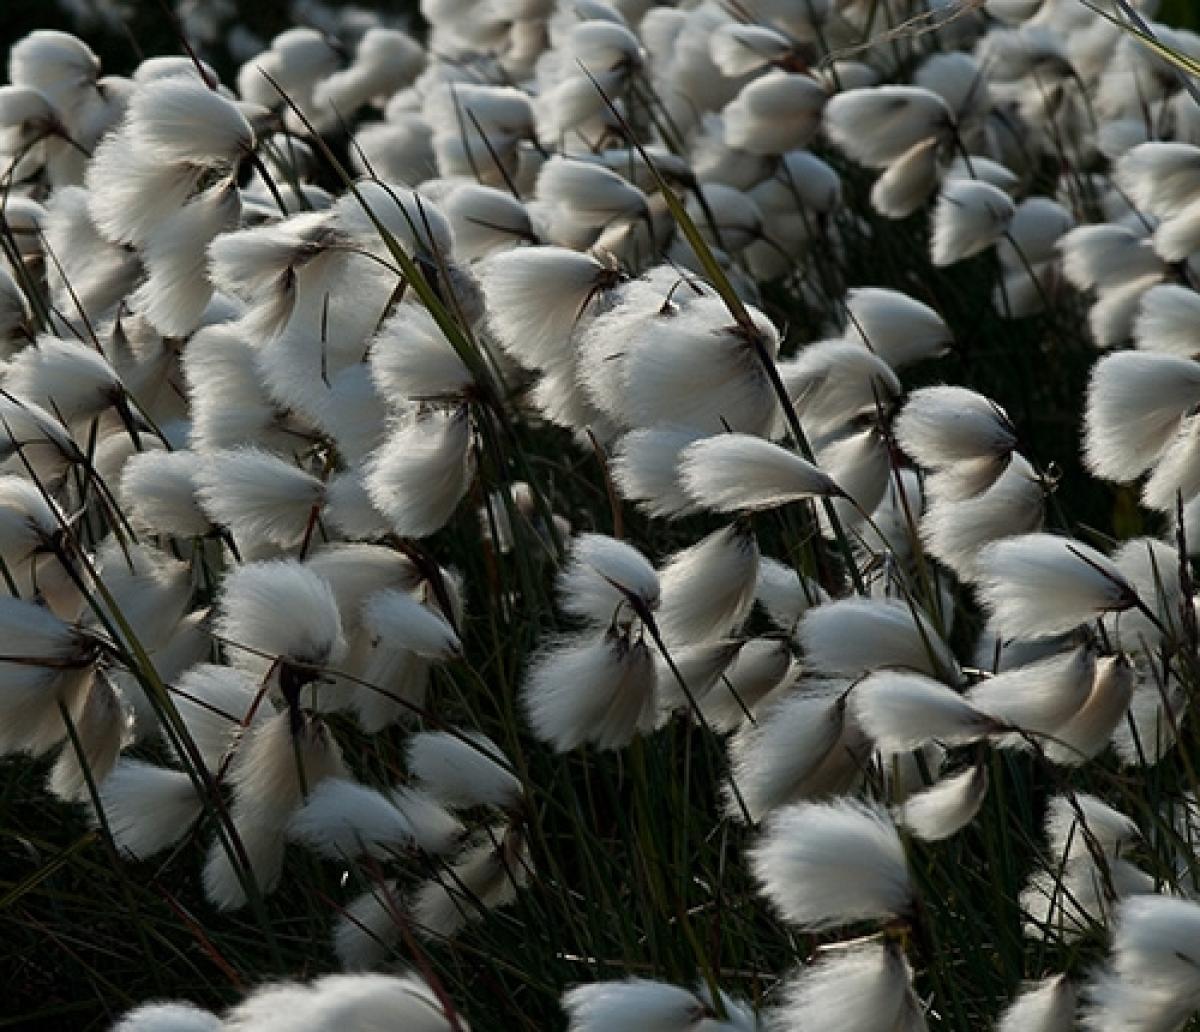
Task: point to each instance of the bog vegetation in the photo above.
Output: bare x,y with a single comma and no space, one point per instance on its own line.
596,514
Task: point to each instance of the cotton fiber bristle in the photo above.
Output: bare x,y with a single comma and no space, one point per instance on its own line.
1039,585
940,426
603,692
646,469
1039,697
1047,1006
855,635
827,864
946,807
420,474
169,1017
403,622
738,472
784,594
901,711
462,773
708,589
898,328
875,126
636,1002
604,578
970,217
761,666
864,986
258,496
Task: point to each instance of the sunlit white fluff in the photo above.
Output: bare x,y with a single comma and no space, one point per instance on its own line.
832,381
738,49
699,369
1038,697
462,773
784,594
902,711
855,635
602,576
66,377
970,216
862,987
588,194
1039,585
780,758
215,704
272,770
1092,726
485,220
943,425
420,474
828,864
875,126
179,119
645,468
898,328
774,113
760,666
169,1017
1079,825
708,588
536,297
402,622
1106,256
147,807
955,531
1151,982
1135,403
342,819
946,807
1046,1006
259,496
648,1006
1168,320
279,608
1161,177
740,472
909,181
601,691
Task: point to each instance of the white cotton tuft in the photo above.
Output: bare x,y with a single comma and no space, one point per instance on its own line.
827,864
875,126
341,819
969,218
486,220
708,589
148,808
1106,256
600,577
159,491
833,381
536,297
774,113
901,712
1080,824
852,636
420,474
896,327
169,1017
1161,178
794,750
400,621
908,183
1039,697
634,1003
1047,1006
732,473
645,468
942,425
67,377
1039,585
945,807
740,49
955,531
786,595
1136,402
368,928
601,691
760,666
1093,725
462,773
279,608
1168,320
864,987
178,120
1152,981
589,195
259,496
